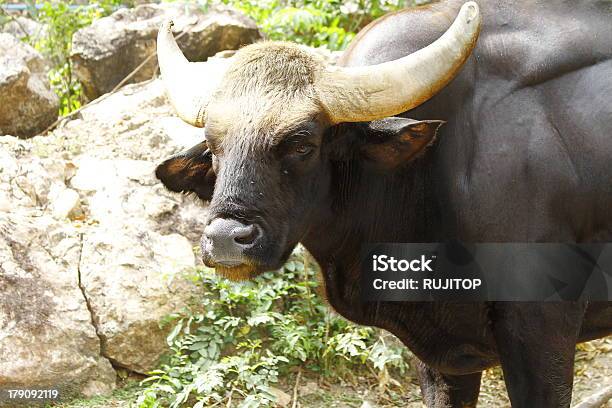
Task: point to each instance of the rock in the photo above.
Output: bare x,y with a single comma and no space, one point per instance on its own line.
47,339
24,28
282,398
26,180
134,270
137,237
112,47
65,203
107,283
309,388
134,278
46,330
27,104
136,123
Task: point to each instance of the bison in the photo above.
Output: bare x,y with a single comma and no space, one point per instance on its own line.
297,150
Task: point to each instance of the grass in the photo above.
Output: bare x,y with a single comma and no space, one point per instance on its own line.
123,396
593,367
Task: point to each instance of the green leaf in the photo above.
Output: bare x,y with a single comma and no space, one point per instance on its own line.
174,333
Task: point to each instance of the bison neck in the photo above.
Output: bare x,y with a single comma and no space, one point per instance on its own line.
370,207
374,207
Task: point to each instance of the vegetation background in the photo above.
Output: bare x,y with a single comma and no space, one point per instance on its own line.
318,23
257,343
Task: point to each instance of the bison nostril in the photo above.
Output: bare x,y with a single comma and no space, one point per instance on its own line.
226,239
246,235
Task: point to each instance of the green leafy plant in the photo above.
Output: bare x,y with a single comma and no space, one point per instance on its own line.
317,23
239,338
61,20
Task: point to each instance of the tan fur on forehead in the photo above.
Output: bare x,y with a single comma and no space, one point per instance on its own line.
268,89
268,66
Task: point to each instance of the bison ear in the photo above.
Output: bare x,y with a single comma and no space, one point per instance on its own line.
189,172
392,142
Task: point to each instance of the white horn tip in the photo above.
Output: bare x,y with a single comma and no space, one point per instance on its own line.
471,11
167,26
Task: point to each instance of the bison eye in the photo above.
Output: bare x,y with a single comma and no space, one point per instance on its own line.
298,146
303,149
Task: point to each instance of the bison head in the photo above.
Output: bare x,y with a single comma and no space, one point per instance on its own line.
276,125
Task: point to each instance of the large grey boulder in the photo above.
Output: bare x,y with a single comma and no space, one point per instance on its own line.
138,257
111,48
134,270
47,339
94,251
27,104
24,28
133,279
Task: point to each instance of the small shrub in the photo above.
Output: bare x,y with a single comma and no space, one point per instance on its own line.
62,19
317,23
241,337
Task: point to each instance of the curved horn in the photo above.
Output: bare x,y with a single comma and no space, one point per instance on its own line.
189,84
359,94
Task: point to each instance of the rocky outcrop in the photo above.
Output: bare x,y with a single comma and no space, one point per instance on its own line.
134,271
27,104
111,48
94,251
133,280
47,339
